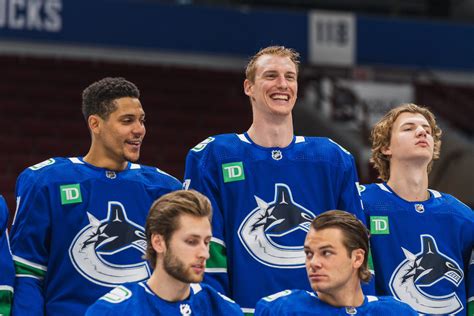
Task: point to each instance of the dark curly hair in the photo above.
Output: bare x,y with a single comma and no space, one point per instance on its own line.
99,97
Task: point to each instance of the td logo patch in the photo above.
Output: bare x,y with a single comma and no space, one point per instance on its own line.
379,225
233,171
70,193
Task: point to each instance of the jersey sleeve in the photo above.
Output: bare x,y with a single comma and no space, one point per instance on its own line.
202,180
101,308
7,270
349,199
470,285
273,304
30,243
263,308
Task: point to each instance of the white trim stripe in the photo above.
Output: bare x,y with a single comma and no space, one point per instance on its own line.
218,241
196,287
143,285
6,288
471,299
28,276
166,174
216,270
76,160
383,187
299,139
243,138
135,166
436,194
29,263
371,298
248,310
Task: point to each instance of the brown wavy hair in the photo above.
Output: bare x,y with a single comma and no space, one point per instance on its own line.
163,218
356,235
382,133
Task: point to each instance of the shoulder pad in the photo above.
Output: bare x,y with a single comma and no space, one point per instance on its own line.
342,148
202,144
117,295
275,296
43,164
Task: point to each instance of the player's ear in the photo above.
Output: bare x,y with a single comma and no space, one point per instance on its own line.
158,243
94,123
358,258
386,151
248,87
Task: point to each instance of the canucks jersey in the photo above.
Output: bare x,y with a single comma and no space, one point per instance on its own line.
7,271
79,231
422,250
264,200
304,303
138,299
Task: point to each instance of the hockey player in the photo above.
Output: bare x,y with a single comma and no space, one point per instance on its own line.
178,232
7,271
266,185
422,240
336,248
78,231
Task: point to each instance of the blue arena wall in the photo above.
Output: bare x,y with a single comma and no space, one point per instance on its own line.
229,32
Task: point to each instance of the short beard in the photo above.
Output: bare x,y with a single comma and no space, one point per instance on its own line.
175,267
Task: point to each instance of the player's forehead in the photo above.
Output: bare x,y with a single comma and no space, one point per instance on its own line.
273,62
330,236
408,118
189,225
128,106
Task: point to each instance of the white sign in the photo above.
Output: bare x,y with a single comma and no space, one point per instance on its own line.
380,97
332,38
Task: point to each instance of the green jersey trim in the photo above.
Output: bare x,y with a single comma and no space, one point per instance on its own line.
218,257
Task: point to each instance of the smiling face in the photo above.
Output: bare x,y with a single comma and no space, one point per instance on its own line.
274,88
118,137
186,253
411,139
331,269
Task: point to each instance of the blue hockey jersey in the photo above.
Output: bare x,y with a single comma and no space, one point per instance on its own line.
264,200
139,300
79,231
7,271
422,250
304,303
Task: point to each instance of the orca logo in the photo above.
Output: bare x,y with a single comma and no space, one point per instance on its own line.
93,249
273,233
422,270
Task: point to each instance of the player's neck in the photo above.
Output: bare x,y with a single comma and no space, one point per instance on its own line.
274,133
167,287
101,160
408,182
350,296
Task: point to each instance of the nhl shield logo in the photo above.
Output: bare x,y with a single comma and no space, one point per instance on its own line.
273,233
110,174
101,251
277,155
412,279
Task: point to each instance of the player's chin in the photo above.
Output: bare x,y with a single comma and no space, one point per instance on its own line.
132,156
195,278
